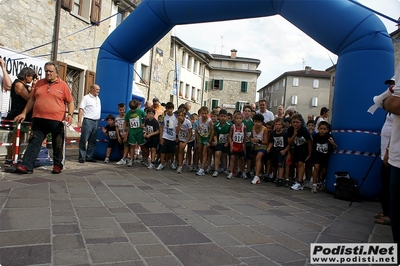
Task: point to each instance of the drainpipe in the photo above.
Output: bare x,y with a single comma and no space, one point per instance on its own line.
56,31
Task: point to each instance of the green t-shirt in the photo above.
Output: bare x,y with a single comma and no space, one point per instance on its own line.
249,126
135,119
222,131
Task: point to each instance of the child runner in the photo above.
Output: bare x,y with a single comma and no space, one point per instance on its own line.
191,148
278,148
248,122
323,146
301,139
205,130
220,136
184,132
134,119
152,135
259,137
111,131
237,140
119,122
168,124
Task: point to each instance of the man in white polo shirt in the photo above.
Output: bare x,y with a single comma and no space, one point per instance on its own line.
88,120
268,115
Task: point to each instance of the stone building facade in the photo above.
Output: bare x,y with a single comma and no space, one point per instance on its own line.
308,90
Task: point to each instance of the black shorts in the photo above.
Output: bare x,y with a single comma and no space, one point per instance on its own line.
168,147
222,148
300,156
114,142
278,160
191,144
152,142
239,154
321,160
249,153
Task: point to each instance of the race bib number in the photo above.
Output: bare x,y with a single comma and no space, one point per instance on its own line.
248,135
299,141
149,129
112,134
278,142
223,138
322,148
134,122
203,130
237,138
183,135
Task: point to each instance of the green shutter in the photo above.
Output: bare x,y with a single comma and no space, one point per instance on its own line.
212,83
204,103
243,86
237,106
206,86
221,85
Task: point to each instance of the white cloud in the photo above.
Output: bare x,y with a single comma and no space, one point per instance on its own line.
276,42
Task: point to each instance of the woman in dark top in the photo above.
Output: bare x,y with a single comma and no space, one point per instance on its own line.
20,90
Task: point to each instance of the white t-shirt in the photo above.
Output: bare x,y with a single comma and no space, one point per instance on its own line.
385,133
268,115
91,107
169,129
394,147
186,127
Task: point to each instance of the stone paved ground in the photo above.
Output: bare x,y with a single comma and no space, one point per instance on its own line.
99,214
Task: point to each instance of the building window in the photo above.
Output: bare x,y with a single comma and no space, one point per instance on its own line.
315,83
171,51
294,99
194,94
195,66
73,79
282,100
206,86
183,59
240,104
181,89
84,9
144,74
295,82
275,102
243,86
283,83
314,101
245,66
188,92
218,63
217,84
214,103
204,103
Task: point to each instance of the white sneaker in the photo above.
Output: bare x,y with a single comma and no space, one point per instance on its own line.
173,166
106,160
256,180
226,171
230,176
130,163
244,176
160,167
190,168
200,172
179,170
208,170
297,186
215,174
122,161
151,166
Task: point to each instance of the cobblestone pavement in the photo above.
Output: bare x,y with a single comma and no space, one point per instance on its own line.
107,214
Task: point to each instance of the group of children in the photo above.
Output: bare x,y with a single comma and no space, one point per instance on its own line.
212,142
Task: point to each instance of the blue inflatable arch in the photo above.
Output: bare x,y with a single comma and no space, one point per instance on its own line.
356,35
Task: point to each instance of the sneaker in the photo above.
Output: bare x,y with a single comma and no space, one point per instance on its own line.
190,168
151,166
244,175
130,163
106,160
256,180
215,174
226,171
307,184
248,176
314,189
56,169
160,167
22,170
286,182
173,166
230,176
121,162
208,171
252,173
194,169
279,182
200,172
297,186
179,170
238,174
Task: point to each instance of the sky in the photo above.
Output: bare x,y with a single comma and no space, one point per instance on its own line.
279,45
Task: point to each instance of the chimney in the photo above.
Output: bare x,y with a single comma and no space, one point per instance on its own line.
233,53
308,69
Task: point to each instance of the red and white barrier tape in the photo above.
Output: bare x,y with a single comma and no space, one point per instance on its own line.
355,131
360,153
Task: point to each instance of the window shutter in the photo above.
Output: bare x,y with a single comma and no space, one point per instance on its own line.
62,70
244,85
96,12
237,106
67,4
206,86
212,83
221,85
90,78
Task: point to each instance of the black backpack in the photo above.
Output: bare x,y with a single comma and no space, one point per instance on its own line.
345,186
